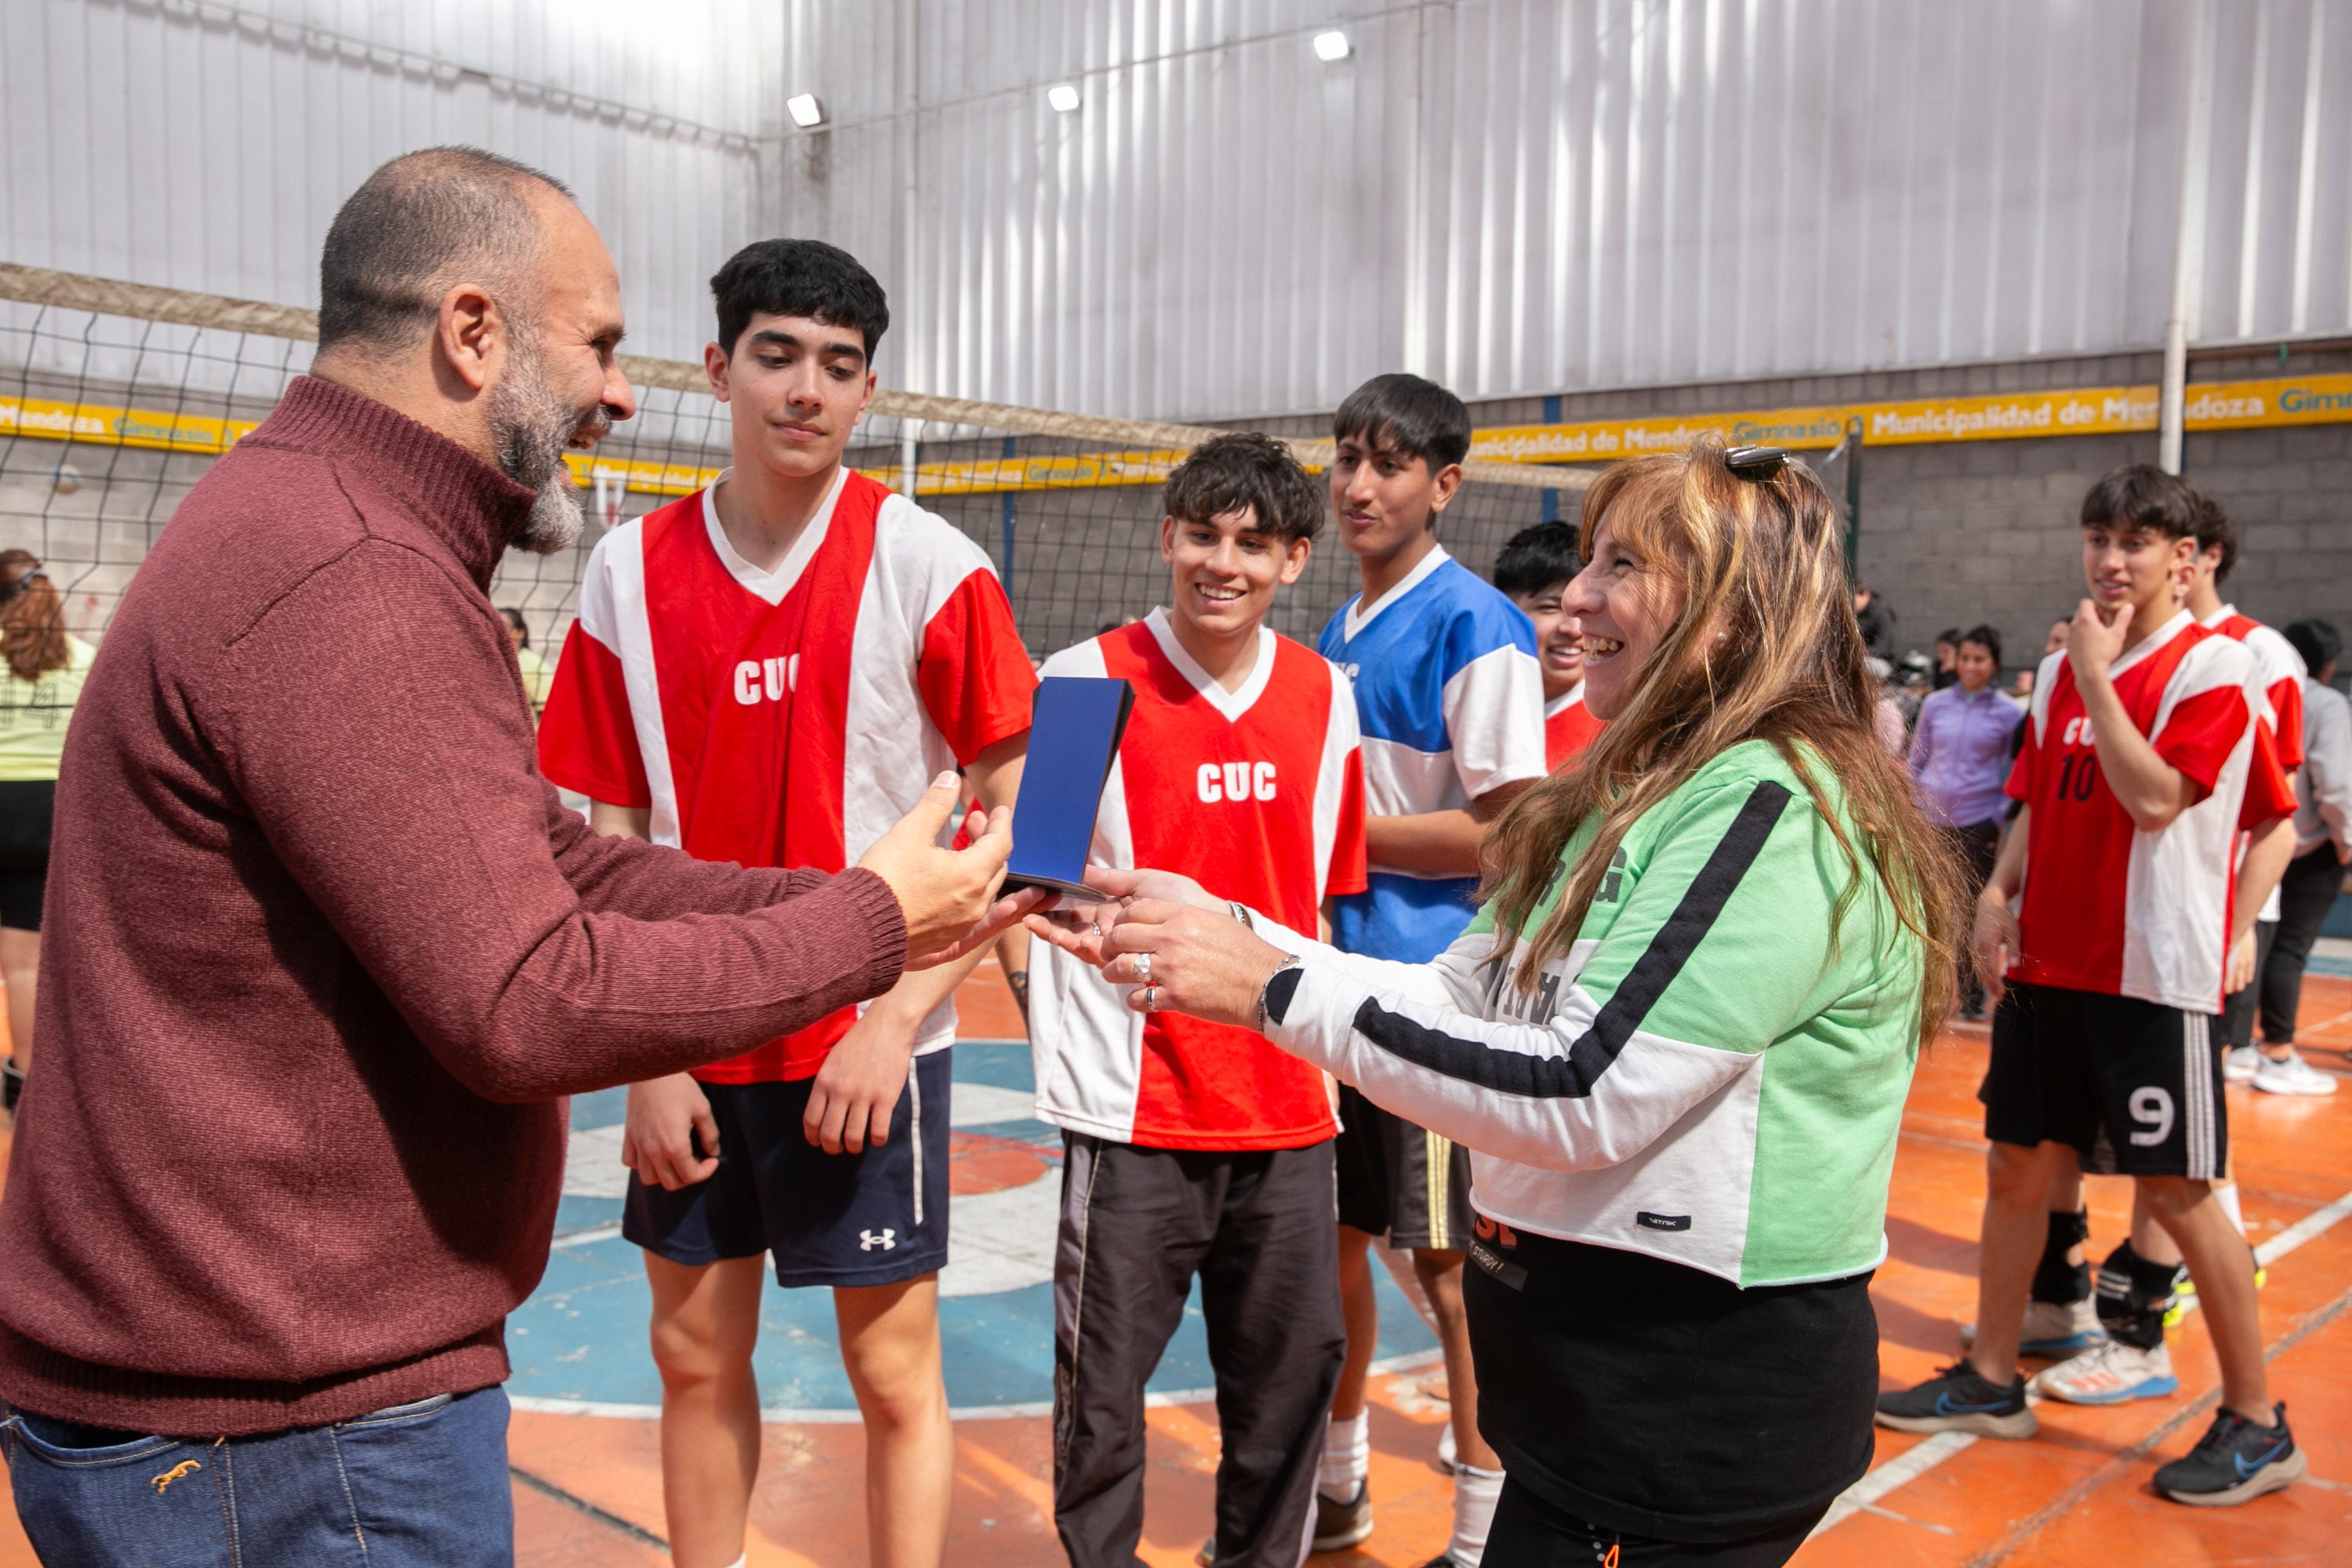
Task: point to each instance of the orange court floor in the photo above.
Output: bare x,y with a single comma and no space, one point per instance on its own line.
588,1489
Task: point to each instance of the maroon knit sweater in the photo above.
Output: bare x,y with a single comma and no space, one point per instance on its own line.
323,950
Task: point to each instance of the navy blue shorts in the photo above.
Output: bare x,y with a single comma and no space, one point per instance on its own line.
875,1218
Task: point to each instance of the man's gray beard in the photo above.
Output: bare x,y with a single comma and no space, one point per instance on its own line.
532,427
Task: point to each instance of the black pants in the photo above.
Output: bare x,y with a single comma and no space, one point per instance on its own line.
1259,1229
2306,893
1529,1532
1978,843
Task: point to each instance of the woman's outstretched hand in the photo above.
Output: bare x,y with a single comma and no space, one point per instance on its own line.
1178,957
1120,889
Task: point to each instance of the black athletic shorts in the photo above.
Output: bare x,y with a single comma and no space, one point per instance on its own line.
875,1218
1399,1180
2133,1087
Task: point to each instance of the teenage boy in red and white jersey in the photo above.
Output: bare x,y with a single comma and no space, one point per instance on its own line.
2132,1367
2143,763
1535,569
1192,1147
762,673
2278,672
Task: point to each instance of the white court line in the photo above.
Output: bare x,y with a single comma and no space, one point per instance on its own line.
584,1238
1916,1462
1412,1361
2303,1230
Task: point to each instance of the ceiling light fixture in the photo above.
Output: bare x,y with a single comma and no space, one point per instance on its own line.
1062,97
1332,46
806,110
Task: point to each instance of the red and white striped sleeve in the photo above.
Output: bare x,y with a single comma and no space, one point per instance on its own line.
1339,862
2205,711
587,735
975,674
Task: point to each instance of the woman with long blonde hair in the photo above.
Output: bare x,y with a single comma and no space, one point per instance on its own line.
44,668
1678,1037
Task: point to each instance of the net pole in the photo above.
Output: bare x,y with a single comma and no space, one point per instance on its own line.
1010,447
1551,497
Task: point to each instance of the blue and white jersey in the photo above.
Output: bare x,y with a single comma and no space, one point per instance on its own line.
1450,700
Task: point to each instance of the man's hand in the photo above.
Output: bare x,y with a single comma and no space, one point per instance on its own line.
2096,640
944,894
1994,943
858,1087
664,1114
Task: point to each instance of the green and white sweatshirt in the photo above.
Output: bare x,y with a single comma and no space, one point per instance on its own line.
1707,1076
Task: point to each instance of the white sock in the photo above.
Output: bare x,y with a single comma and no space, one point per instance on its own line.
1476,1492
2226,1195
1346,1456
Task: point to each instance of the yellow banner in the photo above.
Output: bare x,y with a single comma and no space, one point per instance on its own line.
2088,411
986,476
119,426
2093,411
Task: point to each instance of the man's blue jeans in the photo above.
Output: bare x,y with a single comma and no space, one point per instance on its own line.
416,1485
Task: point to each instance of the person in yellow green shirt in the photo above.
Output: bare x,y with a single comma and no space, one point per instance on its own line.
42,667
537,674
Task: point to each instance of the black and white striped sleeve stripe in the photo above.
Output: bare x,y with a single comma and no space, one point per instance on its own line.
1470,1059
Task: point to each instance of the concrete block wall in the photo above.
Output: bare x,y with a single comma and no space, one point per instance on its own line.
1962,532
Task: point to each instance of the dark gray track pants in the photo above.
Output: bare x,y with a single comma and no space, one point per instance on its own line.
1259,1229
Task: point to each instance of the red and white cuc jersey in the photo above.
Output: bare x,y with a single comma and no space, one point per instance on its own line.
2108,908
2278,672
790,718
1259,794
1568,727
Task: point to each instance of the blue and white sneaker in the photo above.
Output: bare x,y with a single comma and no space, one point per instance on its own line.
1957,1400
2109,1373
2053,1330
2234,1462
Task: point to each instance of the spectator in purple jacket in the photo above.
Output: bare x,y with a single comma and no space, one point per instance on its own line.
1960,757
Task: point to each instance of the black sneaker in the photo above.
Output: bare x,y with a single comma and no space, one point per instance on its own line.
2234,1462
1957,1400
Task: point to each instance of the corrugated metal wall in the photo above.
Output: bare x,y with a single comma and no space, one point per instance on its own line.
1517,196
1537,196
207,146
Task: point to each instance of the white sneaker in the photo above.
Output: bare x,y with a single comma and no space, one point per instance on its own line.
2110,1374
2293,1075
2240,1064
2052,1329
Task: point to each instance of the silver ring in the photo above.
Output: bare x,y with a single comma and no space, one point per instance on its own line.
1143,969
1098,925
1152,998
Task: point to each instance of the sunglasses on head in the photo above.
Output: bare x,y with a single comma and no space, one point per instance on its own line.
1758,465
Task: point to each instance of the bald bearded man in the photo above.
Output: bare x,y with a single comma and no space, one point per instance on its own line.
324,950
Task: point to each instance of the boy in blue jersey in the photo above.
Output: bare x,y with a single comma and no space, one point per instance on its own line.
1450,700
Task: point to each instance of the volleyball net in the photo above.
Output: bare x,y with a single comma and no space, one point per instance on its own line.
115,398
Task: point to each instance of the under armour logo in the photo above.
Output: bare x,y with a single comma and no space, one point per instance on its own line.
867,1241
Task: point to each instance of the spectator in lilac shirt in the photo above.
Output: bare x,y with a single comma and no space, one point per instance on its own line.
1960,757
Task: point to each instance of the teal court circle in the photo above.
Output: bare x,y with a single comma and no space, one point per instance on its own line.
579,1346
